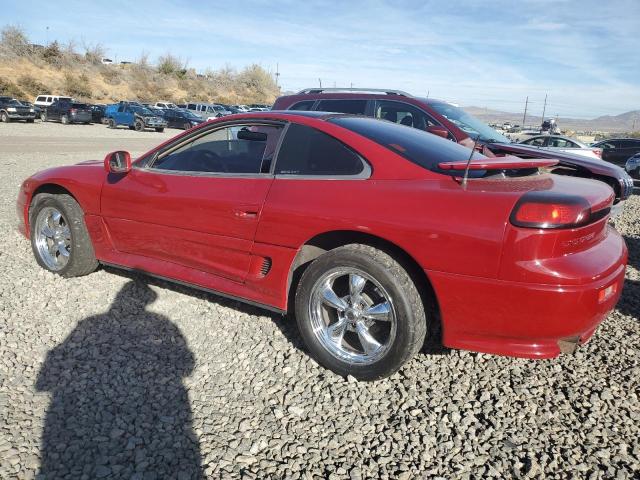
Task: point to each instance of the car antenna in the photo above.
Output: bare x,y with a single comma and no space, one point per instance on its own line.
466,169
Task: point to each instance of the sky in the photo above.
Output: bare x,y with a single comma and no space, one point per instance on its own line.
583,54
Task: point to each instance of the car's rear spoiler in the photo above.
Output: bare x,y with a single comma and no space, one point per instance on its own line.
498,163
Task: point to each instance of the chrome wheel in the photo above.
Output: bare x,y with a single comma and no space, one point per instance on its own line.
352,315
52,238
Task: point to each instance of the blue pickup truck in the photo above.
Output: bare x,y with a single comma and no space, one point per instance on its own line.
134,116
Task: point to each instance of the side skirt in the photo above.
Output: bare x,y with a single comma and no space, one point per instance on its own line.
196,287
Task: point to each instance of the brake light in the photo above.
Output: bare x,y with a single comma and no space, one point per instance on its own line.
73,110
540,210
597,151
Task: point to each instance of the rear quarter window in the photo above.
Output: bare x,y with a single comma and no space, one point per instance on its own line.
306,151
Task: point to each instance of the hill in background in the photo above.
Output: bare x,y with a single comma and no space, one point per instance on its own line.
625,122
27,70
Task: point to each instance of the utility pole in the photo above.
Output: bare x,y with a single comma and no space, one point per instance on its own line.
351,85
544,109
524,117
428,92
277,76
320,82
47,38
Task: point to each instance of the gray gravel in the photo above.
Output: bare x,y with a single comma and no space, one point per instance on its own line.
117,376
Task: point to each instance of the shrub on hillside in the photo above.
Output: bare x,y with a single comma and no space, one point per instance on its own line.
10,89
169,64
77,86
110,74
14,41
52,53
31,86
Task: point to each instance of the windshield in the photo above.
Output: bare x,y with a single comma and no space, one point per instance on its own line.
471,125
189,114
14,103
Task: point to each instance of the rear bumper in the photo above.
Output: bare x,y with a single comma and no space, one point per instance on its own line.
522,319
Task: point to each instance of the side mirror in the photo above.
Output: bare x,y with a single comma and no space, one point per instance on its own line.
118,162
438,130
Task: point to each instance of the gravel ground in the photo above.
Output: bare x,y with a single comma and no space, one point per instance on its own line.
117,376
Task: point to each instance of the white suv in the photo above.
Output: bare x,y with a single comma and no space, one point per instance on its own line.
46,100
165,105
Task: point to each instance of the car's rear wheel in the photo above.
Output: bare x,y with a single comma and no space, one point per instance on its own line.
59,237
186,126
138,126
359,312
64,119
43,116
4,117
111,123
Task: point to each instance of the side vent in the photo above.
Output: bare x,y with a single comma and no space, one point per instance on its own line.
265,267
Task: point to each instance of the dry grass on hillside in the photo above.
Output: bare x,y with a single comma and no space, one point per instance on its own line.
27,70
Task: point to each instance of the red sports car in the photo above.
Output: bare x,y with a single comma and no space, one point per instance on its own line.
377,234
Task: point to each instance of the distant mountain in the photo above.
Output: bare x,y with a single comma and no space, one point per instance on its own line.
625,122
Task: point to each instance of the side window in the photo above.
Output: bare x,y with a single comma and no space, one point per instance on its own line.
121,109
49,100
241,149
305,105
191,106
307,151
404,114
356,107
538,142
559,143
40,99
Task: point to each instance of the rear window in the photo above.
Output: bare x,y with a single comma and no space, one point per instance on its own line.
415,145
79,105
304,106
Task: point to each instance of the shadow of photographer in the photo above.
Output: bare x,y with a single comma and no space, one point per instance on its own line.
118,406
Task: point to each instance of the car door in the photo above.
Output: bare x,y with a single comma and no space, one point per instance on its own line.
198,202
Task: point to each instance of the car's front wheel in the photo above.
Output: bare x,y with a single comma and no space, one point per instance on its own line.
359,312
138,126
111,123
59,237
64,120
4,117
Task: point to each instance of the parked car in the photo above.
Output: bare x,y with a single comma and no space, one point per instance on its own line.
561,143
36,109
11,109
205,110
164,105
633,166
179,118
136,117
449,121
97,113
46,100
374,234
159,112
618,150
67,112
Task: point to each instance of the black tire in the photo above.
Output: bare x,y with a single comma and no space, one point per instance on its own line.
411,324
43,116
4,117
31,120
186,126
138,126
64,120
160,129
111,123
82,259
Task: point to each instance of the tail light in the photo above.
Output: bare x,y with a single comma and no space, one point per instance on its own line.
73,110
545,210
597,151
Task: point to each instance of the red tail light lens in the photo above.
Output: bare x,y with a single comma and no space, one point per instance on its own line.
539,210
597,151
73,110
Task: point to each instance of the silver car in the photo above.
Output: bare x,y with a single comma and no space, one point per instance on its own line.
563,144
